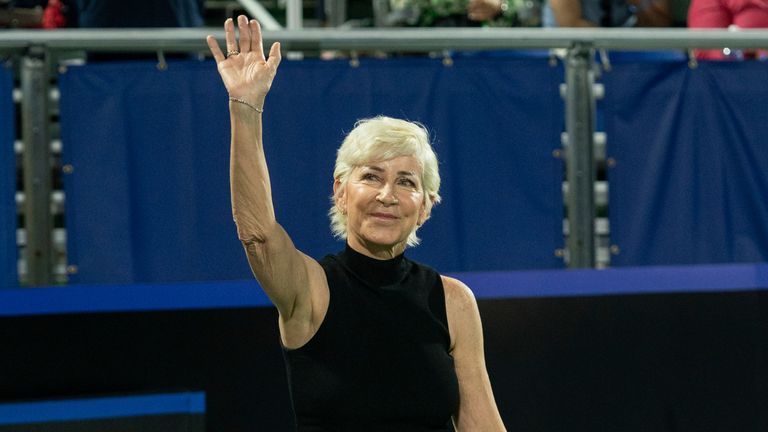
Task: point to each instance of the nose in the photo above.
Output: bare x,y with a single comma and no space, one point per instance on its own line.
386,196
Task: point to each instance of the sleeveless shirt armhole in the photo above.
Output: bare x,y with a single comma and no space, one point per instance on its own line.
437,303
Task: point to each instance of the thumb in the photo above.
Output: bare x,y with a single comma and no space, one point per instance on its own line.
274,55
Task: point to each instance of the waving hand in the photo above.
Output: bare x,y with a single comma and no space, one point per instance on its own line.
246,73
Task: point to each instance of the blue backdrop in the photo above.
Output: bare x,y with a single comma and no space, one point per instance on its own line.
690,184
8,250
148,199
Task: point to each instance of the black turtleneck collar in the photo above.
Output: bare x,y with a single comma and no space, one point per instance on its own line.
372,271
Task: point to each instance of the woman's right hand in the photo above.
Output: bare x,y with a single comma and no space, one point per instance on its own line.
246,73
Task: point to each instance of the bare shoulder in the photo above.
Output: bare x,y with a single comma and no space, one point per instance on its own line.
461,312
458,296
477,407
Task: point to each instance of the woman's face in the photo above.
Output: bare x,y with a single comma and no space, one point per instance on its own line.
384,202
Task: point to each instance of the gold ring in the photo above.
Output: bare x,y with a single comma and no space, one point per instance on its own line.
232,53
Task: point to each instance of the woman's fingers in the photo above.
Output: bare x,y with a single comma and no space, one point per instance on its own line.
274,56
245,34
229,32
256,43
215,50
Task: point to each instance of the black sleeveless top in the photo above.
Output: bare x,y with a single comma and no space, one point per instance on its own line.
380,360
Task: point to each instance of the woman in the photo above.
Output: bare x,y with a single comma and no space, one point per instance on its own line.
372,340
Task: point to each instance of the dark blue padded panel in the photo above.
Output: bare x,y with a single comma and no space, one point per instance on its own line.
690,183
485,285
8,249
148,200
148,197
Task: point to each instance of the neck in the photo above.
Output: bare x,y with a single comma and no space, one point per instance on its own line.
372,271
374,250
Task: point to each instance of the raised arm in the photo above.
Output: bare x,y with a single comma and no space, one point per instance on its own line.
284,273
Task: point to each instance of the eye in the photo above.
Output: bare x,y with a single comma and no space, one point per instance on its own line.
407,182
369,177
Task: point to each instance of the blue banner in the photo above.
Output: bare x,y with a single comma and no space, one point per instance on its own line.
148,199
690,181
8,249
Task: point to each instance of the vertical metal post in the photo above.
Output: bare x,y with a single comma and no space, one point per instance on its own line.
257,11
580,167
294,18
37,168
336,11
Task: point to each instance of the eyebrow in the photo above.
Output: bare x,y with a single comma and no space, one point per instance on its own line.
380,169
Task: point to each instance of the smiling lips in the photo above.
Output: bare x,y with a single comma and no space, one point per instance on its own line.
384,216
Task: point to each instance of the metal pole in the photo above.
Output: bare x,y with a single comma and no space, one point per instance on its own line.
580,167
294,15
37,168
337,12
258,12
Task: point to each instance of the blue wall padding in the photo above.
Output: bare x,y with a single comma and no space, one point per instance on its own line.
690,183
8,249
485,285
102,408
148,200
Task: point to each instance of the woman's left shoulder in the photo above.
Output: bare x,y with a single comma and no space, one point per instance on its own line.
458,296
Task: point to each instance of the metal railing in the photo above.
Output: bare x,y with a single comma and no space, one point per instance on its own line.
35,49
388,40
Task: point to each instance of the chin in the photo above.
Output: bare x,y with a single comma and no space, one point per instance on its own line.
382,239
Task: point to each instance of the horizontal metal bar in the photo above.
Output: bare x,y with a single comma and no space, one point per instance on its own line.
425,39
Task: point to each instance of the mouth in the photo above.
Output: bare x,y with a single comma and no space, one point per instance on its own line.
386,216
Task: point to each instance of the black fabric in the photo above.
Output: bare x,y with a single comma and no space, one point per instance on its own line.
141,423
380,360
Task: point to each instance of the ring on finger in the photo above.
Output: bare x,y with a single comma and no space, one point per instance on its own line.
232,53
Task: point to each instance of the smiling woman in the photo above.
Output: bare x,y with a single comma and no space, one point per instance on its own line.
369,151
383,204
373,341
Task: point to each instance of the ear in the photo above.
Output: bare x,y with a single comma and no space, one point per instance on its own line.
339,196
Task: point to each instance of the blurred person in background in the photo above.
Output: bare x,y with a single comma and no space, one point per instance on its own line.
732,14
47,14
607,13
139,13
463,13
679,9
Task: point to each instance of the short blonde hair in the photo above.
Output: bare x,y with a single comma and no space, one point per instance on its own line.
382,138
